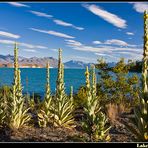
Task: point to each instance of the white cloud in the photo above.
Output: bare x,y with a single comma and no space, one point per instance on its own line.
27,45
32,46
116,42
16,4
30,50
107,16
41,47
96,42
41,14
7,42
105,55
79,46
57,21
140,6
81,58
129,33
116,56
55,50
9,35
108,50
23,44
51,32
62,23
85,48
73,43
78,28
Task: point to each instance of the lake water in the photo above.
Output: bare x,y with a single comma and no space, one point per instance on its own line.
37,78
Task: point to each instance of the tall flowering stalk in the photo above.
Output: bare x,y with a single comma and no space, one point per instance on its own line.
15,63
140,120
3,108
17,112
95,121
145,58
63,106
45,113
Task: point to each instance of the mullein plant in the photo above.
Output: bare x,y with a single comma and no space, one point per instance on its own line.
5,93
63,105
140,120
2,110
45,114
95,121
17,113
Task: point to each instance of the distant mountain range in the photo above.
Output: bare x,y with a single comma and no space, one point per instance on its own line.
76,64
7,61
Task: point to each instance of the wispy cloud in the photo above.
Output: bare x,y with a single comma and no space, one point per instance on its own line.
30,50
23,44
63,23
54,33
40,47
109,50
129,33
120,43
32,46
7,42
55,50
80,46
9,35
116,42
41,14
107,16
96,42
56,21
106,55
73,43
17,4
140,6
117,56
82,58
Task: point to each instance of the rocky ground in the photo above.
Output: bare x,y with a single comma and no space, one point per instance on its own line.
118,133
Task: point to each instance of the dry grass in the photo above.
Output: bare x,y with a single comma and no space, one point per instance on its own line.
112,112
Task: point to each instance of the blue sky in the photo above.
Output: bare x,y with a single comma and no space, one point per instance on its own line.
85,31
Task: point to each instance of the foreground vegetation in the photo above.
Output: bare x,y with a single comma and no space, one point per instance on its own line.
90,114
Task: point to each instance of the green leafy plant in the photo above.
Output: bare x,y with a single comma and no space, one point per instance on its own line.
46,112
79,98
2,111
95,121
5,92
17,112
139,122
115,86
63,106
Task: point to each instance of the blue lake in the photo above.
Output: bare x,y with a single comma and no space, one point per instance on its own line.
37,78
